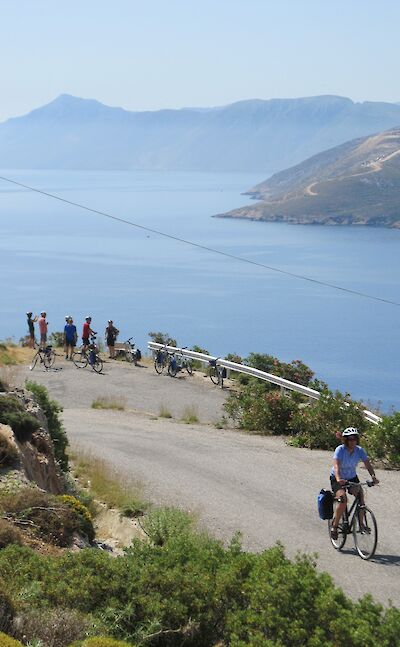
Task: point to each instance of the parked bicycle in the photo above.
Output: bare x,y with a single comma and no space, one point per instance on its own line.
45,356
161,360
88,355
358,520
179,363
217,373
128,350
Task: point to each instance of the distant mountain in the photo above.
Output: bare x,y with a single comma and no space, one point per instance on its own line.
357,183
255,135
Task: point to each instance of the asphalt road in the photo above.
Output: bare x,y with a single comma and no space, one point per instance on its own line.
233,481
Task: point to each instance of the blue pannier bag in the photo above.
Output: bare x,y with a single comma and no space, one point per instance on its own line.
325,504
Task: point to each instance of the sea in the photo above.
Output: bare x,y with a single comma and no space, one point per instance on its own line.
69,261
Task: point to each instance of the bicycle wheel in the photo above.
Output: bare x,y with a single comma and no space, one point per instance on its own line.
159,365
34,361
128,356
79,359
342,529
365,533
97,365
49,359
214,375
189,367
172,369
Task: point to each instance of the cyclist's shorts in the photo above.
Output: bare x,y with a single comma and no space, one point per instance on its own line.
85,341
70,342
336,486
43,338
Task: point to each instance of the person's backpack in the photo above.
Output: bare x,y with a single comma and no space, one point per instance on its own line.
325,504
138,355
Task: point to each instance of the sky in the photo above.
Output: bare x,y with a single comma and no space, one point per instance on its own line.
152,54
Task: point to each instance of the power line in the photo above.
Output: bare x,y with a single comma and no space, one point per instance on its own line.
203,247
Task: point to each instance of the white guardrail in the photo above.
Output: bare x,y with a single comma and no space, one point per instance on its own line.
255,372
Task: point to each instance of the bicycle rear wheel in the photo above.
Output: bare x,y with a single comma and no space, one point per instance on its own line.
97,365
34,361
365,533
342,529
79,359
214,375
159,365
49,359
172,369
129,356
189,367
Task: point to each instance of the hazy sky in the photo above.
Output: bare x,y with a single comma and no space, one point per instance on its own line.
173,53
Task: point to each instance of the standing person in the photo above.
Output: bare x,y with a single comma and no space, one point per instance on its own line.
345,461
43,327
70,337
111,335
87,332
31,329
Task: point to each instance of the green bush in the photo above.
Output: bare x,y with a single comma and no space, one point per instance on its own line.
104,641
163,523
52,409
12,413
383,441
162,338
57,339
319,425
296,371
82,513
265,412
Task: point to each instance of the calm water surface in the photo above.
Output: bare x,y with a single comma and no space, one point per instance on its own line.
66,260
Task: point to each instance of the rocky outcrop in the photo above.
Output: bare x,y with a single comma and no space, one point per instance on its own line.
35,456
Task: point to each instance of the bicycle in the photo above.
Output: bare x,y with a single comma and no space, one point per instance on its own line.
161,360
46,356
88,355
217,373
180,363
130,352
360,521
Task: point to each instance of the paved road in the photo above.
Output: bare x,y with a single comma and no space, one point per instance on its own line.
232,480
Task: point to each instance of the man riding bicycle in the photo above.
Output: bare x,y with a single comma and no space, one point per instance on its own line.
345,461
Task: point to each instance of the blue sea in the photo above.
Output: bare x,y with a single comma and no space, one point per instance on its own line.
57,257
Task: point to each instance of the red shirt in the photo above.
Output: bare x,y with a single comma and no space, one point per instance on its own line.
86,330
42,325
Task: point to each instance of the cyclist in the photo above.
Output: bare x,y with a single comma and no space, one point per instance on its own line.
345,461
87,332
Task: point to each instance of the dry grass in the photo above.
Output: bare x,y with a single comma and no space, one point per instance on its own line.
106,484
164,412
189,415
11,354
108,402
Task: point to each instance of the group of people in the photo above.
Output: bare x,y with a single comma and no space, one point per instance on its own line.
70,333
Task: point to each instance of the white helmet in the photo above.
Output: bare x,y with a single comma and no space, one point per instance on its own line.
350,431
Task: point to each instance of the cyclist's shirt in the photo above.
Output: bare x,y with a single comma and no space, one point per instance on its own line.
42,325
86,330
70,332
348,461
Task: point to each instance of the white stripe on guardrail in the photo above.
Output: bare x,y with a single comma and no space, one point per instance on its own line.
255,372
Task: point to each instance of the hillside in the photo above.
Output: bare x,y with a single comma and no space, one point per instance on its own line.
355,183
253,135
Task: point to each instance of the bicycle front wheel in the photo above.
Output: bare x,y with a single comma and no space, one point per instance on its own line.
79,359
172,369
49,359
365,533
189,367
214,375
159,366
34,361
97,365
342,529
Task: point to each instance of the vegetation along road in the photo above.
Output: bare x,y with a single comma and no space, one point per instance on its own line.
233,481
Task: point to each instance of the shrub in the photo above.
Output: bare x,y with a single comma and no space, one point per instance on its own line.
8,452
7,641
256,409
57,339
12,413
107,402
189,415
163,523
319,426
9,534
82,513
104,641
53,627
6,611
42,513
51,410
383,441
296,371
163,338
164,412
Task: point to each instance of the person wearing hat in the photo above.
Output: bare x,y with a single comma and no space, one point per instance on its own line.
31,329
111,335
43,327
87,332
